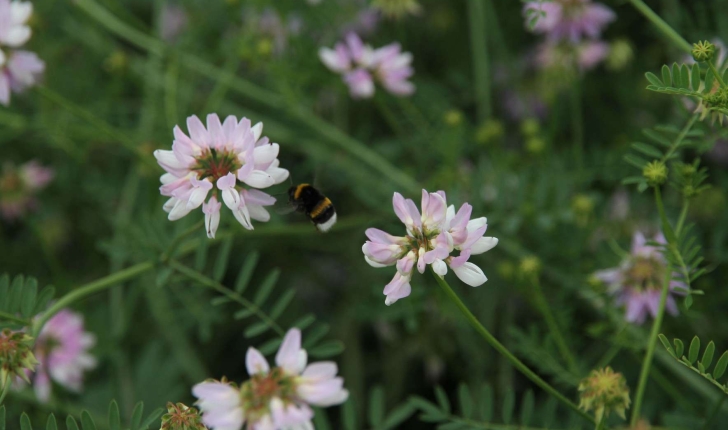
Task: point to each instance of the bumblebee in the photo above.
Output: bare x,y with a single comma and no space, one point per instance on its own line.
317,207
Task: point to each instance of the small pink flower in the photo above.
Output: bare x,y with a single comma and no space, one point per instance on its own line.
18,187
173,22
361,65
431,236
220,159
585,55
19,70
637,282
569,20
14,31
62,349
278,398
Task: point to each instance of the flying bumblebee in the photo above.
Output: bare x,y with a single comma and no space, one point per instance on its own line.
317,207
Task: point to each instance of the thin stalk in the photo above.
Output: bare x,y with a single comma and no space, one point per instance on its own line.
652,341
683,215
479,54
717,74
211,283
577,124
553,326
661,25
679,138
714,413
505,352
13,318
90,288
180,237
5,388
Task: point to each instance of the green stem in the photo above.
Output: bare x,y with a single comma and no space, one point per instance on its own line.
577,124
505,352
683,215
661,25
13,318
88,289
678,140
553,326
652,341
211,283
717,74
180,237
714,413
5,388
479,53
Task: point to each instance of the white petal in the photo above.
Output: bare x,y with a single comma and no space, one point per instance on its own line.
476,223
255,362
374,263
243,217
266,153
179,210
258,213
231,197
470,274
259,179
288,354
439,267
257,130
483,244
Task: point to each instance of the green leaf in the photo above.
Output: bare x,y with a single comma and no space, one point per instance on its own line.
25,422
527,408
486,403
694,350
256,329
721,365
315,334
45,296
636,161
136,416
425,405
376,406
4,289
695,77
348,416
466,401
243,313
548,415
30,291
114,418
304,321
51,423
266,287
633,180
16,292
246,272
151,418
222,259
654,80
666,344
327,349
676,78
708,355
509,403
679,347
86,421
684,77
657,137
666,75
648,150
688,301
442,400
283,301
398,416
71,423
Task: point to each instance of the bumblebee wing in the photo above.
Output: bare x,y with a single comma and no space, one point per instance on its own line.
282,206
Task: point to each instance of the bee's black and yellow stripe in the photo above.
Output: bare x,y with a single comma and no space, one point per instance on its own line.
323,210
298,190
315,205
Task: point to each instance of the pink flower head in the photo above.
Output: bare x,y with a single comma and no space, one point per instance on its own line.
18,187
569,20
14,31
278,398
62,349
431,237
19,70
637,282
585,55
220,159
361,65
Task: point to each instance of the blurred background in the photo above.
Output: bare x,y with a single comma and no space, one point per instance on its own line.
531,140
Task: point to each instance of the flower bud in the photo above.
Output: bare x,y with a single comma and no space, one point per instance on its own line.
535,145
16,355
604,391
703,51
453,117
583,206
655,172
530,266
181,417
530,127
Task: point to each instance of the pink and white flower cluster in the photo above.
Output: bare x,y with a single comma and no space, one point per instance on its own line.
572,29
361,65
431,237
637,282
18,186
19,69
62,349
220,159
276,398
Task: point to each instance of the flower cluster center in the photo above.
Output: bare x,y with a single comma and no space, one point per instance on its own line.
258,392
422,239
645,273
215,163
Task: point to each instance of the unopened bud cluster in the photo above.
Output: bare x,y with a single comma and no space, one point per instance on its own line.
604,391
16,355
181,417
655,172
703,51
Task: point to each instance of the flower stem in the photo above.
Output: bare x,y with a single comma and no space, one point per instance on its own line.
479,53
717,74
88,289
678,140
683,215
5,387
661,25
577,124
505,352
652,341
13,318
553,326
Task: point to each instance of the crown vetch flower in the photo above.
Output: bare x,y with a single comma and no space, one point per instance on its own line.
604,391
360,65
277,398
569,20
62,350
18,69
431,237
220,159
16,356
18,186
637,281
